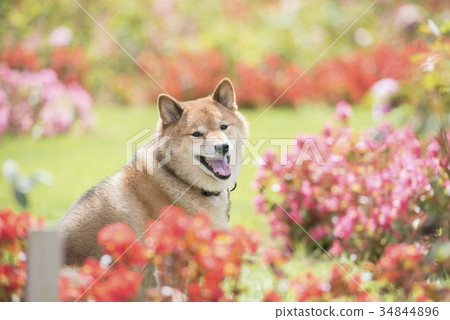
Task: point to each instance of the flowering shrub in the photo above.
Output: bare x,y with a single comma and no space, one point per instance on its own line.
348,76
186,76
425,92
70,64
369,192
339,286
403,272
208,263
103,281
202,256
405,269
13,233
262,84
40,103
191,75
438,152
21,58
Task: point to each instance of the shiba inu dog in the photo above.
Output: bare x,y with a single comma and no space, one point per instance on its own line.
199,148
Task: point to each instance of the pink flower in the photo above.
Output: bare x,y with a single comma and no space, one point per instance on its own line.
3,98
295,214
343,111
5,112
344,227
446,185
5,117
433,149
260,201
336,248
24,116
306,189
380,109
269,156
83,103
368,191
55,120
373,183
40,100
319,232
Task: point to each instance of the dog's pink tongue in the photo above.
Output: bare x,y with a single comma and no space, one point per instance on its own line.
220,166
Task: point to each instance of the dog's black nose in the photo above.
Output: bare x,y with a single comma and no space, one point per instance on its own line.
222,148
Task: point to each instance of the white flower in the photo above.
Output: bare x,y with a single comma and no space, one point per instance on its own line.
363,37
434,28
166,291
276,187
106,259
61,36
429,64
384,87
366,276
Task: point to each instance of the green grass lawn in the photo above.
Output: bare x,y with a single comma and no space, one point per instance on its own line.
78,161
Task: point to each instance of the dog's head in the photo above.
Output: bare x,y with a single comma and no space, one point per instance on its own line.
205,137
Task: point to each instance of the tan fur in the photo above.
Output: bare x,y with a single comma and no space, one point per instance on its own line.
133,196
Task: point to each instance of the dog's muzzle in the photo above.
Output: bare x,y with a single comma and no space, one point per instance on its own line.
220,167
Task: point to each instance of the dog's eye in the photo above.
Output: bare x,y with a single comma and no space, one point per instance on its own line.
223,127
197,134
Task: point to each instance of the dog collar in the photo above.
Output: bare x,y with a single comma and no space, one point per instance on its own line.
210,193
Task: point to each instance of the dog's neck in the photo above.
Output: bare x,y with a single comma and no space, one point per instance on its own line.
203,192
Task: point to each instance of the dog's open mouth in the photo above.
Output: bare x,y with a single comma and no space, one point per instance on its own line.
219,167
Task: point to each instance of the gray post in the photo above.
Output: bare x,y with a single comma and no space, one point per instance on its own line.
43,264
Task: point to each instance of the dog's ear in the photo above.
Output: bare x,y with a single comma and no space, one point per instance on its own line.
224,94
169,109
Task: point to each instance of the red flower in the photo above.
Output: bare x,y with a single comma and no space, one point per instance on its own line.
205,256
20,57
69,64
116,238
308,287
119,241
273,256
201,256
13,232
203,293
272,296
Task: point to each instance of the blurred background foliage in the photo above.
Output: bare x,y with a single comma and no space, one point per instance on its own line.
216,38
